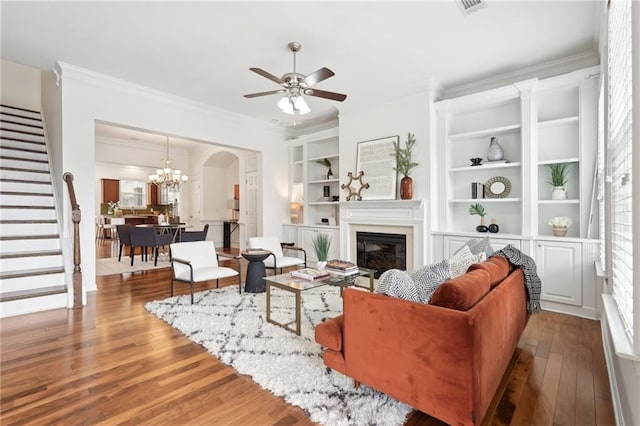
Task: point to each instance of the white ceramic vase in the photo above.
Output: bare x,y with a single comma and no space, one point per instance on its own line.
321,264
558,193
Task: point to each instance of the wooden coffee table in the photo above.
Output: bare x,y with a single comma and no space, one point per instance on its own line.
296,286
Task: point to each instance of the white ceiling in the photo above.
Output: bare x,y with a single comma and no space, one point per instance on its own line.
380,51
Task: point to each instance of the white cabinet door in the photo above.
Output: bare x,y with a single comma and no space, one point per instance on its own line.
560,269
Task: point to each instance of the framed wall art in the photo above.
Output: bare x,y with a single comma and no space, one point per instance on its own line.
376,158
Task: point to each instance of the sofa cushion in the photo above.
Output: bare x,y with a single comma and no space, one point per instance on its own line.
398,284
498,268
462,259
329,333
429,277
463,292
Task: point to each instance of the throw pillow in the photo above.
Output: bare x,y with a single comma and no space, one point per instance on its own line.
478,245
398,284
464,292
462,259
429,277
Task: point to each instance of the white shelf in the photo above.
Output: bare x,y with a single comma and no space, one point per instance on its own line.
559,161
493,131
323,203
320,181
559,121
484,167
322,157
558,201
486,200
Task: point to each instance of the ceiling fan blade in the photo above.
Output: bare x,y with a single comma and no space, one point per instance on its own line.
318,76
267,75
271,92
324,94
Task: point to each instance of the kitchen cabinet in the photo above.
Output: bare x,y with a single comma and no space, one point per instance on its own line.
110,190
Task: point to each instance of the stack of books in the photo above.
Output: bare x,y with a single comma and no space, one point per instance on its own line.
341,267
310,274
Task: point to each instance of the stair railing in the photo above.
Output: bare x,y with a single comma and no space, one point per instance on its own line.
75,217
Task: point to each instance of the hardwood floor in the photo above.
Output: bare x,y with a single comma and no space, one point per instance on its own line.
114,363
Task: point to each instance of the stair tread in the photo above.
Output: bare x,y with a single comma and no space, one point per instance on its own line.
20,108
24,117
31,272
6,138
14,207
39,182
29,237
20,169
20,124
21,132
31,293
35,253
33,194
31,160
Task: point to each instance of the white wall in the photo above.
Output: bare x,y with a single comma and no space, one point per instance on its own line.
88,97
399,117
20,86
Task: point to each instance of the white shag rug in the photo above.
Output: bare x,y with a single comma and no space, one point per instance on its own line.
111,266
233,327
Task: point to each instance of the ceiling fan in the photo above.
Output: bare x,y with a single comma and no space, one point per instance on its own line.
295,84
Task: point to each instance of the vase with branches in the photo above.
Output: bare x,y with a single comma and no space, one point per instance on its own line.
557,179
325,162
404,164
478,209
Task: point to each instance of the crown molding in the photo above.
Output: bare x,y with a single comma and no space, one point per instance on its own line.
541,71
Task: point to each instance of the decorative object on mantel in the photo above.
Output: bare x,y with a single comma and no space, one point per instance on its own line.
557,179
493,228
495,152
560,225
376,159
497,187
325,162
404,166
356,195
476,161
480,211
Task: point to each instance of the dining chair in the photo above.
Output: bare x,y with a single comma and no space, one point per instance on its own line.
124,238
277,259
146,237
197,261
194,235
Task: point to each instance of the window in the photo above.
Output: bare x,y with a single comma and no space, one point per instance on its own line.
619,156
133,193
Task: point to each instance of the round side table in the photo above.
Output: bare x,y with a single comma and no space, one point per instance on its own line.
254,282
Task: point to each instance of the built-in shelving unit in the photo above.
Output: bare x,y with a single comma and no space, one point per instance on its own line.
538,122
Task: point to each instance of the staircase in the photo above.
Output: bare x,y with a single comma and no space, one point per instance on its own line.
31,263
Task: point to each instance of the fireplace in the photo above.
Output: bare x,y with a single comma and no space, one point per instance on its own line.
381,251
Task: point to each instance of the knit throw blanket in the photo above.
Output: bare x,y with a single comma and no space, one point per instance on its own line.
531,279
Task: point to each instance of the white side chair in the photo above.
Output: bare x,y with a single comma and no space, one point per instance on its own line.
277,259
197,261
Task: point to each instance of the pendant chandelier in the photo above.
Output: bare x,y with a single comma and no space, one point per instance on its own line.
167,177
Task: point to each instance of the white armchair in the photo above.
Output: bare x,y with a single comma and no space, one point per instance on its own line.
277,259
197,261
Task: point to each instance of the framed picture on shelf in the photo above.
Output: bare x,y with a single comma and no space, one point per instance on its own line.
376,158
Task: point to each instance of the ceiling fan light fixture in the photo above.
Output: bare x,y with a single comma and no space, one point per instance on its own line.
293,105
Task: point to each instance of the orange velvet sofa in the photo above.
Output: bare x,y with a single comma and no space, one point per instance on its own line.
445,358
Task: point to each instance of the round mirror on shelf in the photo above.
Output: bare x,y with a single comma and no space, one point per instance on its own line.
497,187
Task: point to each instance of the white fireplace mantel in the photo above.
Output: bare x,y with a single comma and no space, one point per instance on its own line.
407,217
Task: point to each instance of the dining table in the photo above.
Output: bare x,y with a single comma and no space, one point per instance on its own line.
174,228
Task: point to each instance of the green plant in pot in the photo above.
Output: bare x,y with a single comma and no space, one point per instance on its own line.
557,179
325,162
478,209
404,164
321,245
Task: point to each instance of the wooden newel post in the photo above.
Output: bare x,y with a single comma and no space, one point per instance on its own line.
75,217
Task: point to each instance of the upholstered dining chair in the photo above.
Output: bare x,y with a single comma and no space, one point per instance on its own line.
146,237
277,259
197,261
194,235
124,238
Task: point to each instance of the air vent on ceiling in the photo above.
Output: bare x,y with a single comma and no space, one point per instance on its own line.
468,6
